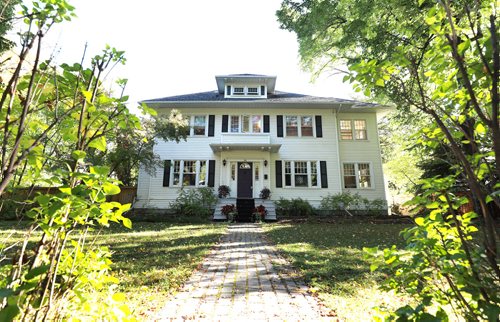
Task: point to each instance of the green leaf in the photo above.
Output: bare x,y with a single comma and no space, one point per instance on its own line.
419,221
148,110
65,190
373,267
127,222
99,143
380,82
111,189
480,128
5,292
78,155
101,170
9,313
432,205
37,271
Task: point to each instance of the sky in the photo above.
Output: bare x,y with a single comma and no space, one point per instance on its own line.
177,47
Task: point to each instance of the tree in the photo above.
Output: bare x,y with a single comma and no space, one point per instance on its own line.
441,59
6,17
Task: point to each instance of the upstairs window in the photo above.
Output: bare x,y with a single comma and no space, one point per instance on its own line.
353,129
299,125
246,123
246,90
199,125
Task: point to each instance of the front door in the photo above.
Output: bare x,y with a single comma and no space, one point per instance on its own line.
245,189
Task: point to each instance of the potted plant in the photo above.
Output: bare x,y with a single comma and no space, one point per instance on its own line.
229,211
259,213
265,193
224,191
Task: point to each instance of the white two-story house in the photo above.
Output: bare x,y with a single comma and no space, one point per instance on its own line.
248,136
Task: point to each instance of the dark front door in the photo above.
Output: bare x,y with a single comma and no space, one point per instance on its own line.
245,180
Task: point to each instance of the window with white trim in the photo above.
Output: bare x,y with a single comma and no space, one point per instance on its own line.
301,174
198,125
189,173
353,129
246,123
245,90
357,175
299,125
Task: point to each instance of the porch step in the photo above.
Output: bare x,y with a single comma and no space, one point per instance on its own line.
245,209
269,204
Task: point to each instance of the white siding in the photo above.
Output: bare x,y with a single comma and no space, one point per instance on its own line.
367,151
151,192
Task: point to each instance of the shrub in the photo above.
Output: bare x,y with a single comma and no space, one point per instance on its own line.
259,213
195,202
229,211
294,207
347,201
223,191
265,193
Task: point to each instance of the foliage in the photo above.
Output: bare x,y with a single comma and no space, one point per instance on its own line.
295,207
152,260
223,191
195,202
229,211
259,213
6,17
265,193
440,59
329,257
347,201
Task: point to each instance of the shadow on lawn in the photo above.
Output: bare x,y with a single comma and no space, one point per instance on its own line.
330,257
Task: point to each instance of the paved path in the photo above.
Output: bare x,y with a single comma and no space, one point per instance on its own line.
238,282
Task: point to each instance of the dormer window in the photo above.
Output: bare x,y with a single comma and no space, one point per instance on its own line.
245,91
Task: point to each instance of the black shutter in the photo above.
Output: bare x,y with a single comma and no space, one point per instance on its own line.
279,177
228,90
211,173
324,176
319,127
211,125
225,119
279,121
266,123
166,173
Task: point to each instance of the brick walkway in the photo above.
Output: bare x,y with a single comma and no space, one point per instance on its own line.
238,282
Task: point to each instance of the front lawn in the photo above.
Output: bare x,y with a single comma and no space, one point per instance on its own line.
152,260
329,256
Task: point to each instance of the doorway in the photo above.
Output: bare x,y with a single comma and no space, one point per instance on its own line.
245,184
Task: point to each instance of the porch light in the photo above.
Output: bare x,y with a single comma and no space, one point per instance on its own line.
224,162
265,163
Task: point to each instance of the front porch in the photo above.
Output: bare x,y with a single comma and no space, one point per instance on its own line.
269,204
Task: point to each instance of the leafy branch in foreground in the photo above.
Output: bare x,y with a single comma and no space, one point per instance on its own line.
439,59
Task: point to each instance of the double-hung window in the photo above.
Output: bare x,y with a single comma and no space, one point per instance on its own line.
301,174
189,173
299,125
353,129
357,175
199,125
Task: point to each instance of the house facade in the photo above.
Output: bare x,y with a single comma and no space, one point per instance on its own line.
248,136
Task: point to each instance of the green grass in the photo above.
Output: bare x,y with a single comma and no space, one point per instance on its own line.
329,256
152,260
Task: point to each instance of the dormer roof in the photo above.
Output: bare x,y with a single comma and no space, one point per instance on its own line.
246,79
